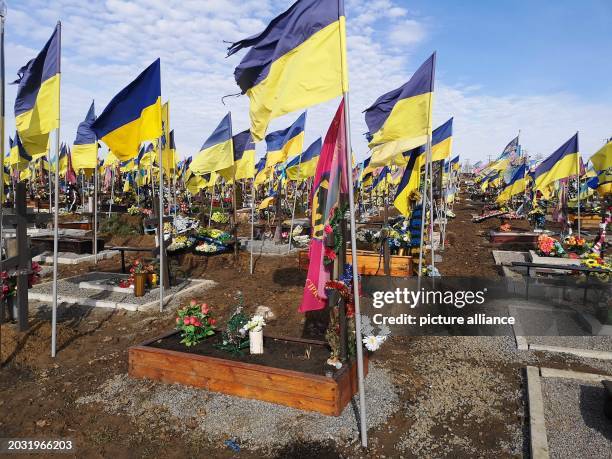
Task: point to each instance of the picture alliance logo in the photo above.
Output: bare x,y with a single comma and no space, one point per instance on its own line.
422,297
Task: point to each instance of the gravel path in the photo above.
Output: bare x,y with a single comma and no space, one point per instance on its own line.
467,387
252,423
575,423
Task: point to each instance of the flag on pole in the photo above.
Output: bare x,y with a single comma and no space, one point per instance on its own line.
304,166
410,181
18,156
133,116
37,101
442,141
244,158
282,144
516,185
561,164
400,120
329,182
217,152
296,62
85,146
602,160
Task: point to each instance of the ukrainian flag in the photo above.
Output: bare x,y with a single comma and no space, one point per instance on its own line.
442,141
262,174
267,201
282,144
299,60
516,185
133,115
561,164
602,160
217,152
169,153
410,182
454,163
244,158
401,119
305,165
38,94
380,184
18,156
195,183
85,146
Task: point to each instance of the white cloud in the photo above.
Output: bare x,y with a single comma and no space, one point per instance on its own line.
407,32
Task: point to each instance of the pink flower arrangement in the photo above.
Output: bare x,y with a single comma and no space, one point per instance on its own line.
328,229
195,323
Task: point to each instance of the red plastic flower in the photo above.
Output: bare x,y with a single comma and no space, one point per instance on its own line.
330,253
328,229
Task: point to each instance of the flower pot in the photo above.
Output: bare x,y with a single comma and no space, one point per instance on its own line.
140,281
256,342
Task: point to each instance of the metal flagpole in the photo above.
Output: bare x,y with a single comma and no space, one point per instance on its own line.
360,372
252,220
432,210
423,204
95,208
347,126
56,216
294,202
2,125
430,176
112,195
162,277
578,182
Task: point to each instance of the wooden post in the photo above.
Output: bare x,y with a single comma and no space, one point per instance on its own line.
23,267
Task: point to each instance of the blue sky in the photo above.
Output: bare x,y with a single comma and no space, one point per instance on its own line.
539,66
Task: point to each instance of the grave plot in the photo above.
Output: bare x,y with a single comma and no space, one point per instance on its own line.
567,415
103,290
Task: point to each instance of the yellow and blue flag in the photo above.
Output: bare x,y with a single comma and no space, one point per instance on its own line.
18,156
38,97
442,141
85,146
400,120
282,144
262,174
299,60
217,153
561,164
305,165
602,160
244,158
410,182
516,185
133,116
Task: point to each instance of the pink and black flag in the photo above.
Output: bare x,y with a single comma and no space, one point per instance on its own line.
331,180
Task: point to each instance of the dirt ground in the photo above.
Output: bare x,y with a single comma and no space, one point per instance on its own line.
39,393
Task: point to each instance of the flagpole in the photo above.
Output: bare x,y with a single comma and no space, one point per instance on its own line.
252,221
2,124
234,202
578,181
347,125
162,276
294,202
56,215
424,204
95,208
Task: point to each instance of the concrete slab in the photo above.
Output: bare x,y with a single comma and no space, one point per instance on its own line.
71,293
537,423
70,258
